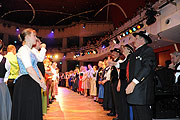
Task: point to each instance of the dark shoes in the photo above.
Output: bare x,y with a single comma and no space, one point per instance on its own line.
111,114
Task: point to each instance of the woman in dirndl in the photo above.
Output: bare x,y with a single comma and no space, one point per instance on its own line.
5,99
27,103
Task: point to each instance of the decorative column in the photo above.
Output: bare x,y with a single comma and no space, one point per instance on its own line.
80,41
64,66
64,44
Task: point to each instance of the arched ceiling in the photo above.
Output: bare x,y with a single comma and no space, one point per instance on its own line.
65,12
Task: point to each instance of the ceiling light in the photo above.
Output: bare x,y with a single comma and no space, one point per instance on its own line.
17,29
52,31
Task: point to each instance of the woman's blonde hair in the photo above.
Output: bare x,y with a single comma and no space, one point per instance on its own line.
25,32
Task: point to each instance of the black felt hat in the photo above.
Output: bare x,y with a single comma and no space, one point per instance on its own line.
116,50
144,35
130,47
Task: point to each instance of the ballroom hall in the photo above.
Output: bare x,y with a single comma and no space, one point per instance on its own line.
89,59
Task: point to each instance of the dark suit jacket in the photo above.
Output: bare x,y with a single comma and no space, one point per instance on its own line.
141,67
114,75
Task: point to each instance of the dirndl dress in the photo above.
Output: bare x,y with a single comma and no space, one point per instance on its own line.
27,102
5,99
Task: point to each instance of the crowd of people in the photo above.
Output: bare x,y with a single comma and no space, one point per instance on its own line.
96,41
123,82
28,82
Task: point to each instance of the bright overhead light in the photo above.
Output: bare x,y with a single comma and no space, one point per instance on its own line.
56,56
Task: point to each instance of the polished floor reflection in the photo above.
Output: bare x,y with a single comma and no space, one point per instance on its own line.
72,106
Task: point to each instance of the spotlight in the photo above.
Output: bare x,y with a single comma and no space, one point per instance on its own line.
95,51
15,41
127,33
52,31
78,54
130,31
124,34
105,43
116,41
17,29
60,63
88,52
84,26
103,46
64,54
134,29
150,13
140,26
56,56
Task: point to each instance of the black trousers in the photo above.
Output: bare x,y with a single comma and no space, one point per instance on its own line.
107,102
10,85
121,105
113,97
142,112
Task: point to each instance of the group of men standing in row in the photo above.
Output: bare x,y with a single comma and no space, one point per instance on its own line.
129,81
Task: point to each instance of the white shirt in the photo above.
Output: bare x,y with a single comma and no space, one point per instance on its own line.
177,74
8,67
108,74
118,63
24,54
40,55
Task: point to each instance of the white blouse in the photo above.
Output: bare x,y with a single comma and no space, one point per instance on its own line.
8,67
24,54
108,74
40,55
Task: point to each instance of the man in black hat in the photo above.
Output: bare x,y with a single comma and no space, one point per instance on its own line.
140,71
114,65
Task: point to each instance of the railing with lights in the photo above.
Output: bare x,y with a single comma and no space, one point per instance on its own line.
105,43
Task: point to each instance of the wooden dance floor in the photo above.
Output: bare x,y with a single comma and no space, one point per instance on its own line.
70,105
